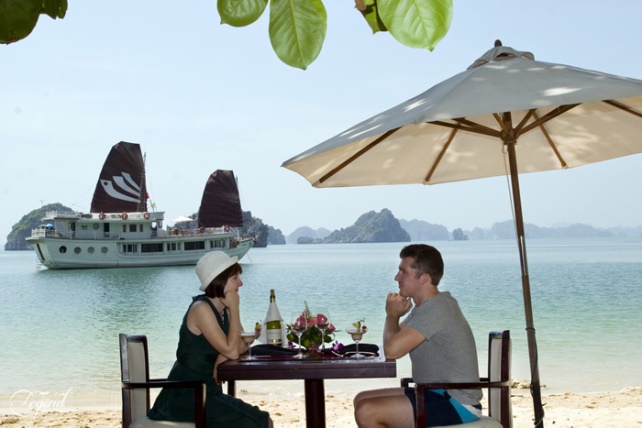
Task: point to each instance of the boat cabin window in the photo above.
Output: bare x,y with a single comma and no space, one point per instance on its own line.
151,248
216,244
198,245
174,246
130,248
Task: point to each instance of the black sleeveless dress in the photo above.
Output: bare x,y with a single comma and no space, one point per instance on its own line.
195,359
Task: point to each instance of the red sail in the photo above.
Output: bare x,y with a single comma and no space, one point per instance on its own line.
221,204
121,184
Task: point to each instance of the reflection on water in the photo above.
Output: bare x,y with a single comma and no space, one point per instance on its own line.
60,328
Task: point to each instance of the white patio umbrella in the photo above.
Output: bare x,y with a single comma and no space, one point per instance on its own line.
182,219
506,114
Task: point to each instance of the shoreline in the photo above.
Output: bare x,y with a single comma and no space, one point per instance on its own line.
563,410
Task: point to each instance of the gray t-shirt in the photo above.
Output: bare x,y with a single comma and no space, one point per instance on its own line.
449,353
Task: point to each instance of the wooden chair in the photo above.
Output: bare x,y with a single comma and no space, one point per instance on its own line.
498,384
134,371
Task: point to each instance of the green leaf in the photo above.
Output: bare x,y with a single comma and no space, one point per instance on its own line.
369,11
239,13
54,8
297,30
416,23
18,18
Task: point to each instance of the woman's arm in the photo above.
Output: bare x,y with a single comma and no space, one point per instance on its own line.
202,320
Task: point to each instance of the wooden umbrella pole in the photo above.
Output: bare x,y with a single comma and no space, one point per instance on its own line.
526,287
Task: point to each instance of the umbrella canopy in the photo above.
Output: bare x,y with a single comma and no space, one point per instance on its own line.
506,114
182,219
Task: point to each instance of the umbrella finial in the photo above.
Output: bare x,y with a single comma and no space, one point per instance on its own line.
498,43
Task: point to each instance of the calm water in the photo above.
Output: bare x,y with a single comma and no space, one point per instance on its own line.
60,329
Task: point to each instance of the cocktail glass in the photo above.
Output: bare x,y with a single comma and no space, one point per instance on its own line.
357,335
248,337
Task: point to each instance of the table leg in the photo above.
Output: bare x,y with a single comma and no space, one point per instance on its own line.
314,403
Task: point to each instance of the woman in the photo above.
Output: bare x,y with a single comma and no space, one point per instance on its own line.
210,334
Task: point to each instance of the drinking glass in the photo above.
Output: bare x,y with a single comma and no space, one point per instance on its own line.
357,334
323,323
298,326
248,337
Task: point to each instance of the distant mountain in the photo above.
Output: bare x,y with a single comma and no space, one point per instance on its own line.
424,231
21,230
370,227
308,233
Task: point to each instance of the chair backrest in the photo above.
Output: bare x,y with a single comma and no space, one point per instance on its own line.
134,367
499,363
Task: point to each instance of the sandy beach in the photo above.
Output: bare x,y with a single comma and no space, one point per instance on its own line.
621,409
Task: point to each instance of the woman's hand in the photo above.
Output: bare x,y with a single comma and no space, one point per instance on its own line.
231,299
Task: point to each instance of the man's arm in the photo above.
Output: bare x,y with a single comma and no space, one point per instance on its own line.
397,339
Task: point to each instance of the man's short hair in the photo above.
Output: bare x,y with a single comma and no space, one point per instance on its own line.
427,259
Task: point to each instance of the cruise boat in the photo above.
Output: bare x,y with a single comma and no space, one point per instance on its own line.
119,230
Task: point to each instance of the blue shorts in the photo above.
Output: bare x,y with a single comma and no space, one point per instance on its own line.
441,409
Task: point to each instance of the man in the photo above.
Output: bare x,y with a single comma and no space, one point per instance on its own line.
440,343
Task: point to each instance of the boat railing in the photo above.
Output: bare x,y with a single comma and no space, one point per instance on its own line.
203,231
156,216
62,214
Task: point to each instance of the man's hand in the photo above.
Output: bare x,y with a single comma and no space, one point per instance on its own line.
397,305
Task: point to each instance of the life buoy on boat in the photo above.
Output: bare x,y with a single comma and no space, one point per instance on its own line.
101,216
201,230
124,216
146,215
226,228
176,231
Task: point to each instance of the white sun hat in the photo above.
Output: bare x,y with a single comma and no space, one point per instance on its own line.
211,265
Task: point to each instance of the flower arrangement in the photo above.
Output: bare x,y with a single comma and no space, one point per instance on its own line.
312,337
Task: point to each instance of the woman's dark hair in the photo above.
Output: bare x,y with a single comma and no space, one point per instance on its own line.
217,286
427,259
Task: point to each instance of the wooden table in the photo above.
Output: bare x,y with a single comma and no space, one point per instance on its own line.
313,371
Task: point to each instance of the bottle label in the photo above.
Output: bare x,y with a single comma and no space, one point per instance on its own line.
274,336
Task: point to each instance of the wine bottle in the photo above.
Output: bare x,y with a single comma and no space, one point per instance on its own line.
273,323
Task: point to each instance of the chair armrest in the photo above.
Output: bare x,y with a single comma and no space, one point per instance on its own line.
421,387
482,384
406,381
200,390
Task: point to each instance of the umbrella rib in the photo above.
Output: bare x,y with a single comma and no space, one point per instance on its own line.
348,161
548,116
441,155
624,107
469,126
528,115
551,143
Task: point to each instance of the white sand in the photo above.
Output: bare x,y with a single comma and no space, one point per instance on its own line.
612,409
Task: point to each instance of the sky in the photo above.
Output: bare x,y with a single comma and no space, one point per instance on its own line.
200,96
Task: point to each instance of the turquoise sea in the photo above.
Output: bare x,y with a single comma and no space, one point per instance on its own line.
60,329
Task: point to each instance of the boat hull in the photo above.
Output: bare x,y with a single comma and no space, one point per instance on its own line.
84,241
91,254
